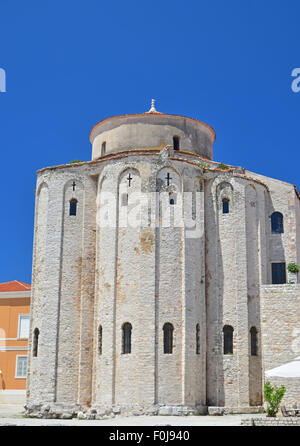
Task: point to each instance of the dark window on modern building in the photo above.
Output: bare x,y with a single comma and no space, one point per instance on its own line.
100,340
73,206
253,338
278,273
228,340
277,223
35,342
103,148
176,142
168,338
198,339
225,206
126,338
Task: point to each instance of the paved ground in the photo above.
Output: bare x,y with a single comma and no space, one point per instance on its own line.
13,416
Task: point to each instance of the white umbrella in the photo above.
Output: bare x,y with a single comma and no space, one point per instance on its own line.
288,370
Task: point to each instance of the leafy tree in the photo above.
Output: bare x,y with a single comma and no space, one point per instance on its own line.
273,396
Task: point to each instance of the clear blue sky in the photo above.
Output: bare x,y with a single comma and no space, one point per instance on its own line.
72,63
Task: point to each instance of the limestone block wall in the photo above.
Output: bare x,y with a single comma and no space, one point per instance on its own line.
234,267
148,277
87,275
125,293
70,290
297,214
281,197
225,235
46,290
38,284
280,308
62,266
151,130
253,279
194,284
105,289
128,303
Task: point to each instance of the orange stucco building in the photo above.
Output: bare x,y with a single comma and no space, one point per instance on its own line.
14,332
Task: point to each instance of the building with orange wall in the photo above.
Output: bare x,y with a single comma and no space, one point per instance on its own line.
14,332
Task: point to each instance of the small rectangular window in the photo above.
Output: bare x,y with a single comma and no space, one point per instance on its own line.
21,367
73,207
103,148
278,273
225,206
23,329
176,143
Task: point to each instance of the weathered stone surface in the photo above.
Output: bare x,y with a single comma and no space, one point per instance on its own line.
86,276
270,421
67,416
215,411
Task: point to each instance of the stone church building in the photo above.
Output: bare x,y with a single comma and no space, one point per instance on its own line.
153,317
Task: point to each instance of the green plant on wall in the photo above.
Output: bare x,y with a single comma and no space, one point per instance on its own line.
273,396
293,267
223,166
76,161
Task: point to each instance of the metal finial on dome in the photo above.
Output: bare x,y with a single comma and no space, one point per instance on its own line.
152,109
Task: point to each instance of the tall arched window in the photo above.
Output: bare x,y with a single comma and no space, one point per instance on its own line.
253,337
35,342
73,206
228,339
225,206
176,142
198,339
168,338
126,338
100,340
277,223
103,148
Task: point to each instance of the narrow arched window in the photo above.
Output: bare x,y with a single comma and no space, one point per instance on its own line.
172,198
103,148
126,338
168,338
228,339
176,142
225,206
35,342
100,340
198,339
253,339
124,200
277,223
73,206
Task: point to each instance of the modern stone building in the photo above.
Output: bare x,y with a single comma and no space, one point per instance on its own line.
151,317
